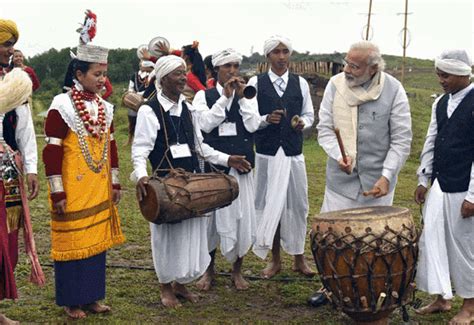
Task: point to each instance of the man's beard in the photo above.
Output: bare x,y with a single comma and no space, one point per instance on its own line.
352,81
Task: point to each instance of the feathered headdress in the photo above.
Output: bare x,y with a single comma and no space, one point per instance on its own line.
89,28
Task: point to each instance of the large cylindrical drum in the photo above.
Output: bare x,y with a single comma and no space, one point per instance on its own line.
182,195
366,259
132,100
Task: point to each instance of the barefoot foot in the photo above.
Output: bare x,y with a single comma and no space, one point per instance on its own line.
272,269
302,267
75,312
4,320
181,291
206,281
464,317
168,298
239,281
438,306
97,308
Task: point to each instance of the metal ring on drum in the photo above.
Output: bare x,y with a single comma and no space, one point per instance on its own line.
366,259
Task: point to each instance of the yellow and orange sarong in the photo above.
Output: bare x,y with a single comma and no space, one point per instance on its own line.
91,224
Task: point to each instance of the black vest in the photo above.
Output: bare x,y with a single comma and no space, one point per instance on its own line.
454,145
269,139
9,128
186,135
242,144
137,85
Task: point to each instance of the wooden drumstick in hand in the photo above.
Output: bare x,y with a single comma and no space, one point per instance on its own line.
374,192
341,145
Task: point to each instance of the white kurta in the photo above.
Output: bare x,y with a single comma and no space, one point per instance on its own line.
180,251
282,187
233,226
447,240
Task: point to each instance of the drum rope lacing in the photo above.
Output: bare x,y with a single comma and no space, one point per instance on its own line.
388,242
181,172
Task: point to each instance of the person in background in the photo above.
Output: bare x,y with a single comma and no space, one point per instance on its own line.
211,74
18,62
196,75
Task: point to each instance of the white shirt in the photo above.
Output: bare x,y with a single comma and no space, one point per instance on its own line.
307,111
427,155
147,129
26,139
210,118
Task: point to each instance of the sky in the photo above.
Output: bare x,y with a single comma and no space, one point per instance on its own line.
316,26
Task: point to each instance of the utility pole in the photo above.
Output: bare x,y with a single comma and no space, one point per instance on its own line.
404,45
368,21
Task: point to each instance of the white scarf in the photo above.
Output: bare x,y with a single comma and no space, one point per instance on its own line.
345,108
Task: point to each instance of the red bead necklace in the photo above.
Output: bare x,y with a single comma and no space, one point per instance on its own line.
95,127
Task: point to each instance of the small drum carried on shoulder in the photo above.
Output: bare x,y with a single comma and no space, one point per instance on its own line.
132,100
182,195
366,259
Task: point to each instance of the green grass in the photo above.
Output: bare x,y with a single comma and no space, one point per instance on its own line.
134,293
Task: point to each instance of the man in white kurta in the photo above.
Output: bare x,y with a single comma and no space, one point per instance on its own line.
180,251
281,190
228,121
447,242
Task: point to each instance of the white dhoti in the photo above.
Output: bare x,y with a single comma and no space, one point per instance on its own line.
281,199
446,246
180,251
234,226
334,201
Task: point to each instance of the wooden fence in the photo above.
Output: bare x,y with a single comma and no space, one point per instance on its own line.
306,67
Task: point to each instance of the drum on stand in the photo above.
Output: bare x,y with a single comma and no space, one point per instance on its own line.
366,259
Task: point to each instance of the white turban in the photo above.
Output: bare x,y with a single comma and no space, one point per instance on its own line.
226,56
455,62
147,64
274,41
167,64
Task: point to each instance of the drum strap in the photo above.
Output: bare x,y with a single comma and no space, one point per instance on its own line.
165,156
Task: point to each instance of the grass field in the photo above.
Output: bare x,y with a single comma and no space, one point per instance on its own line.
132,286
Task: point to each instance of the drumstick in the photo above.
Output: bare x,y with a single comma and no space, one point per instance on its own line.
341,145
373,191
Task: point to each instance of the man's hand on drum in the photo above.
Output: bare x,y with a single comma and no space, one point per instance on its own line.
239,163
420,194
467,209
380,188
141,188
346,167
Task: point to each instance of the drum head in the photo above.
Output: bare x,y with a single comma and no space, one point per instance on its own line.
150,204
156,43
366,214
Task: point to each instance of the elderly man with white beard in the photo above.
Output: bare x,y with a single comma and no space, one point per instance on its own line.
371,110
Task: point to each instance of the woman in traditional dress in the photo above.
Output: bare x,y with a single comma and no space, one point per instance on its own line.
81,165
